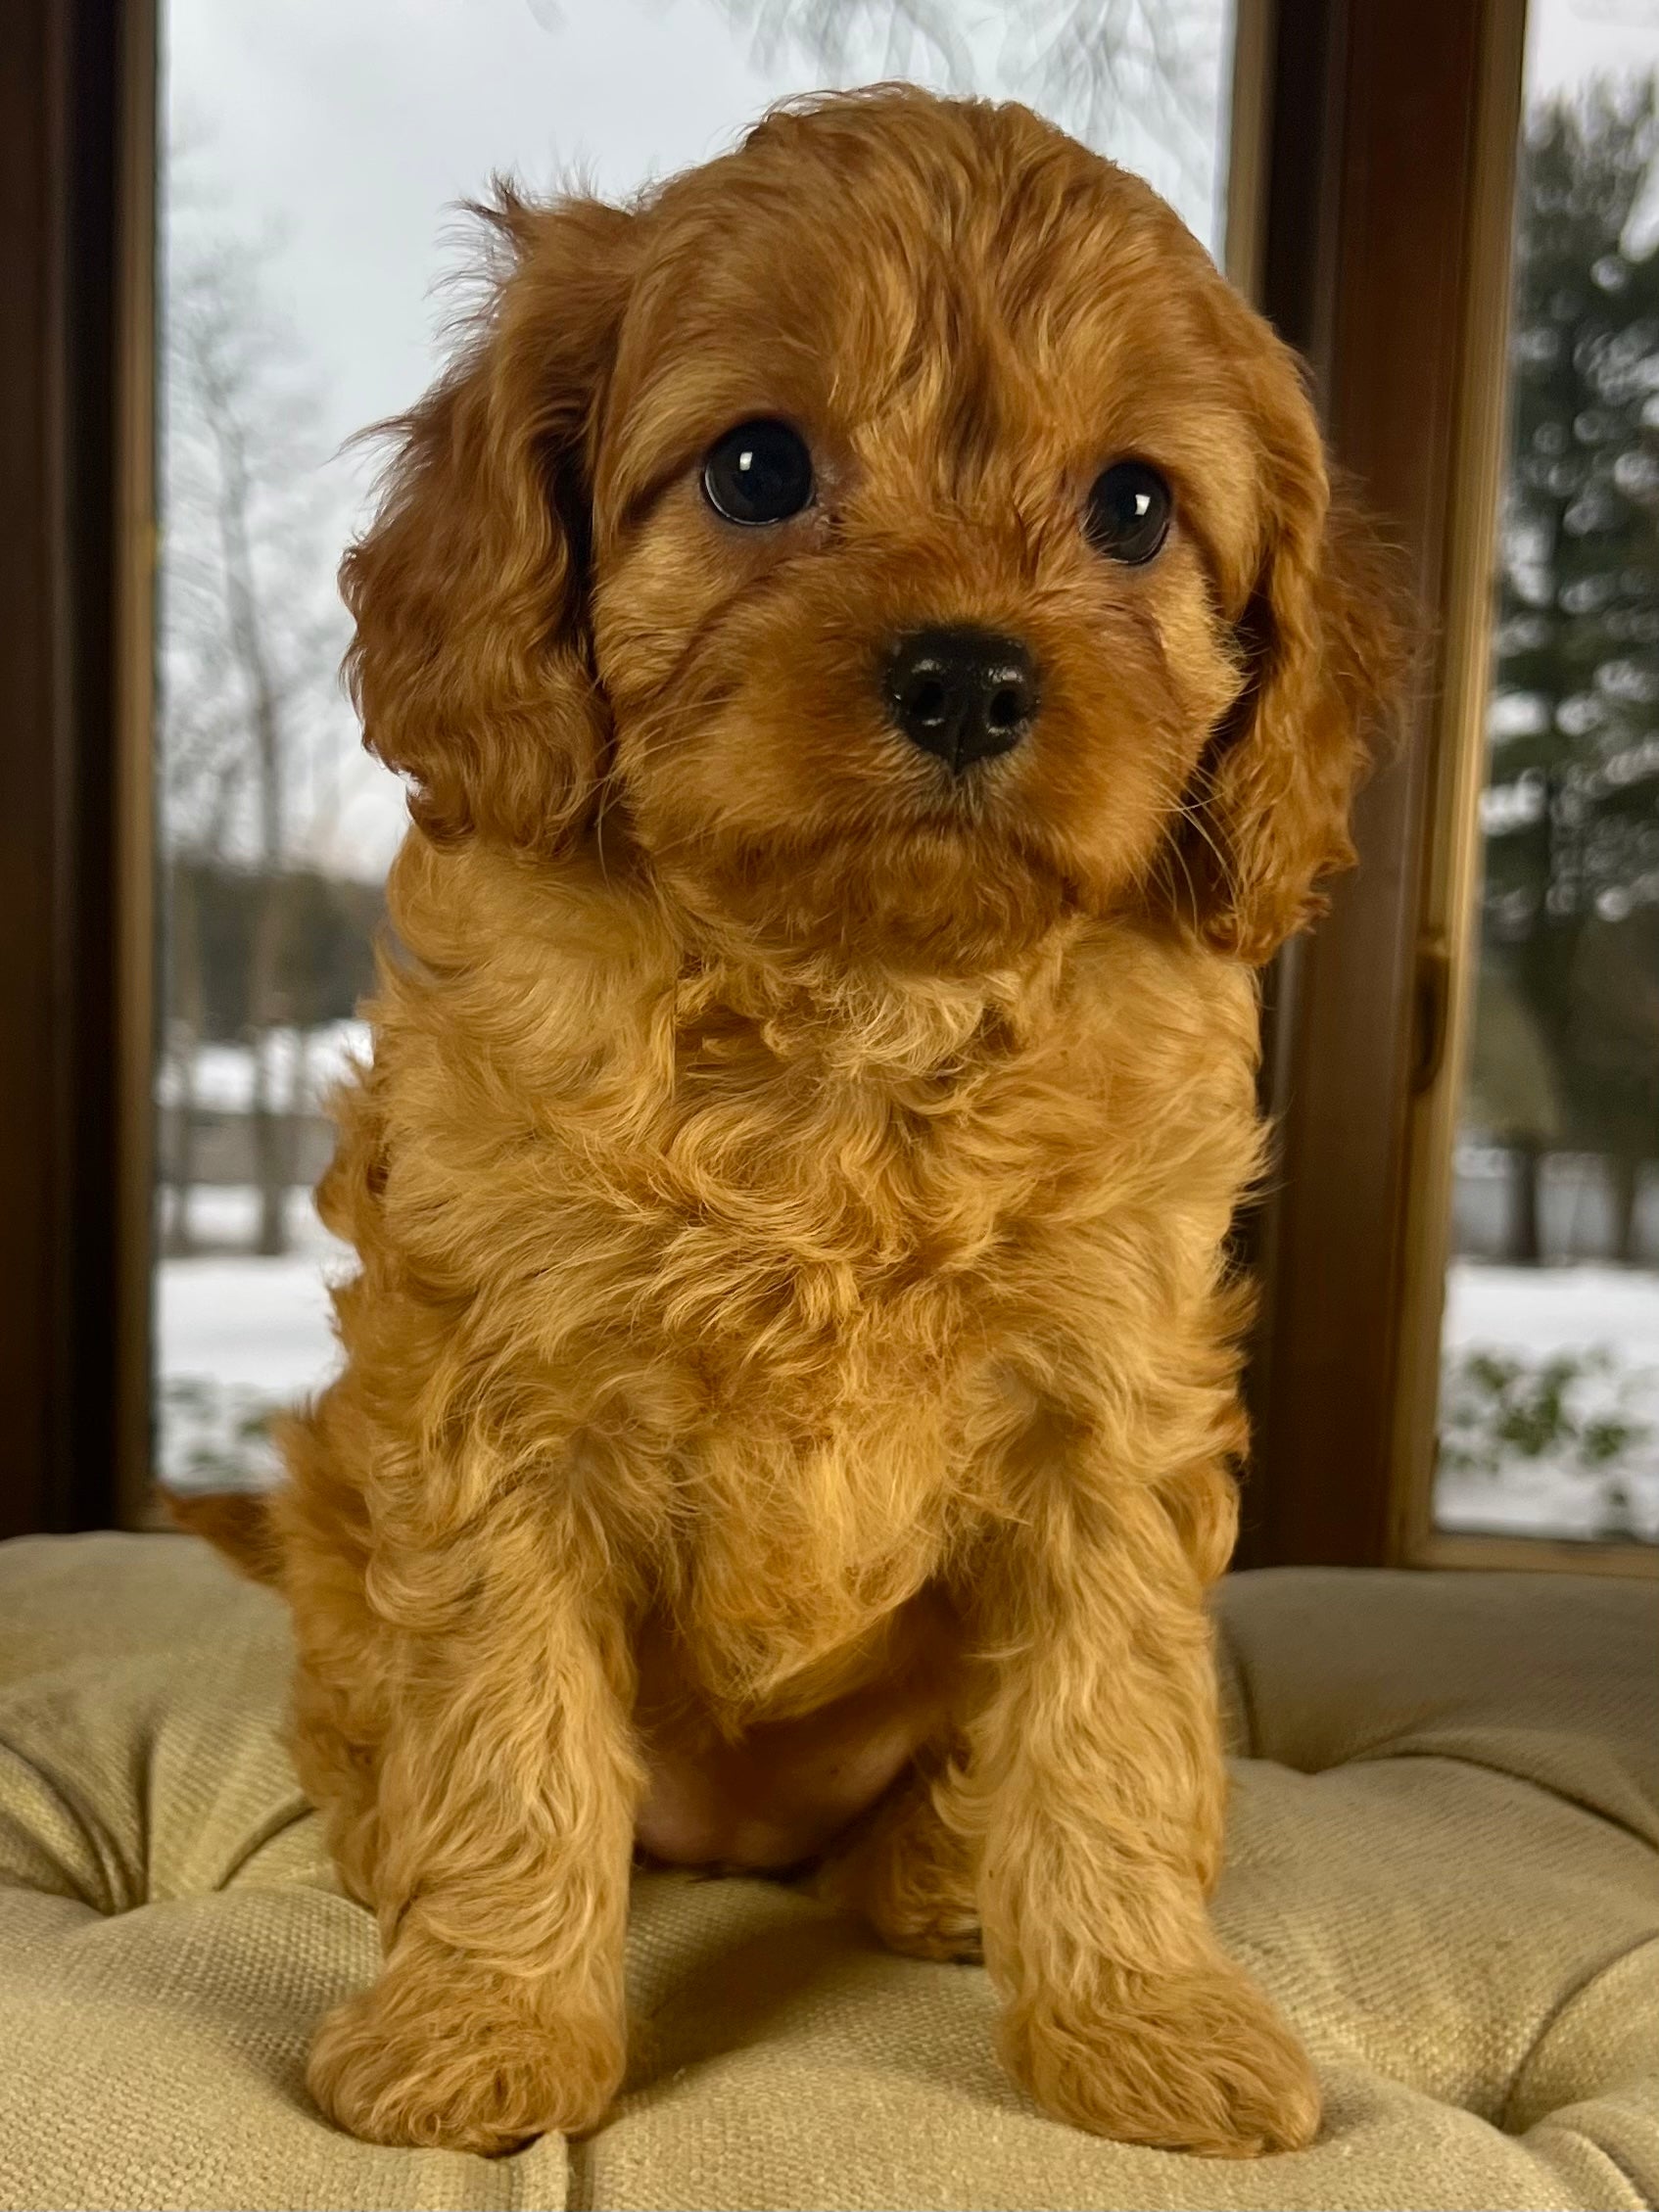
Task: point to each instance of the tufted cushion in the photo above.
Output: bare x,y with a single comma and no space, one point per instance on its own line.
1445,1861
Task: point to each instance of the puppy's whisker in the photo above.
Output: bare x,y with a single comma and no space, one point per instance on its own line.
599,812
1193,812
1178,855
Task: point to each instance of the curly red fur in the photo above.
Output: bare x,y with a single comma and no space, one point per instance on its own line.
790,1389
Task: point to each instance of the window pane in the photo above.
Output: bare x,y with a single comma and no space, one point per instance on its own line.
1549,1414
313,151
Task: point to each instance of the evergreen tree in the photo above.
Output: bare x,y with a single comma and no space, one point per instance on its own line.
1571,814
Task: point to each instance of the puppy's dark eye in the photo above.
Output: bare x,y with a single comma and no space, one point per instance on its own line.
1128,517
759,472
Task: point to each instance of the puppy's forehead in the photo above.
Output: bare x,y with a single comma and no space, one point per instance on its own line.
961,271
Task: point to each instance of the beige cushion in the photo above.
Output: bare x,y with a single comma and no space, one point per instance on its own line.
1445,1861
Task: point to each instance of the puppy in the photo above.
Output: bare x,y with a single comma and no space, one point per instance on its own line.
878,671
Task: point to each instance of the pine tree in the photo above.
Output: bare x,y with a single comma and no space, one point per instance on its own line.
1571,814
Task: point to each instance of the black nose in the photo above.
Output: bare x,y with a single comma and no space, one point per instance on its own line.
964,695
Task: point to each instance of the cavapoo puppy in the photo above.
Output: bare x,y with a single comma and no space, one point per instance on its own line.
878,671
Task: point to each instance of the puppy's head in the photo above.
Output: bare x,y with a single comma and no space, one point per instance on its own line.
896,535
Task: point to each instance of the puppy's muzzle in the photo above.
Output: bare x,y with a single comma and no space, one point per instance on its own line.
962,694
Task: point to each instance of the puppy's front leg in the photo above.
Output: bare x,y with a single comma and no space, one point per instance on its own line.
1099,1773
506,1793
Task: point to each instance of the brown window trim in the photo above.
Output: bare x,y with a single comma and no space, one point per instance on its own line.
1373,184
1390,195
76,146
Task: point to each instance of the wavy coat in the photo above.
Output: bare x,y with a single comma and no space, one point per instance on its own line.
791,1399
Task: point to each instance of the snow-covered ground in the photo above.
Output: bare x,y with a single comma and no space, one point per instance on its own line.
237,1336
1604,1321
224,1073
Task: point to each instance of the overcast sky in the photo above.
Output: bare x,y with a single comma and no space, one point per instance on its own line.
1569,40
343,131
346,129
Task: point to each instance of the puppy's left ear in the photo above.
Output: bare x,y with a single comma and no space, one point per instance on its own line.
1326,634
471,663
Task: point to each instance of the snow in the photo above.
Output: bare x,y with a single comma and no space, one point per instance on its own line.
260,1324
1544,1310
1532,1314
237,1336
224,1073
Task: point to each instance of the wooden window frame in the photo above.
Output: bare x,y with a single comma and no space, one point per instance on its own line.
1373,184
78,136
1392,179
1448,930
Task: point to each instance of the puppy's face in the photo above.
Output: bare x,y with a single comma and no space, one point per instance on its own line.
934,547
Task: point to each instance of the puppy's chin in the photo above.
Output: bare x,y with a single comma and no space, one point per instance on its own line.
921,897
800,825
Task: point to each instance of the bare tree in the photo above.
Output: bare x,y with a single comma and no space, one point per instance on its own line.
1115,72
251,639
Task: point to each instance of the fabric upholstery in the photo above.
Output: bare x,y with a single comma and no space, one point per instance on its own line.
1444,1860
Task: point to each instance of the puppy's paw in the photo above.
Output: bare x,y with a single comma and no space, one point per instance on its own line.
1198,2063
910,1912
937,1928
459,2062
911,1882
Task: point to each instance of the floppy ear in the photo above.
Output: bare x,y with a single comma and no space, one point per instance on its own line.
470,664
1325,635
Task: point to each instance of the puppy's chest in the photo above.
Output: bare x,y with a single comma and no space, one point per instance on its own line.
796,1216
816,1272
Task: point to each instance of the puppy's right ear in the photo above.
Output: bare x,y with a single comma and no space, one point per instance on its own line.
470,664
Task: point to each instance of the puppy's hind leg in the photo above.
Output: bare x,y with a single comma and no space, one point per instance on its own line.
910,1868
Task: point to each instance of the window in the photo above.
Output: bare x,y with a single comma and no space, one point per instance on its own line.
310,155
307,156
1549,1394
